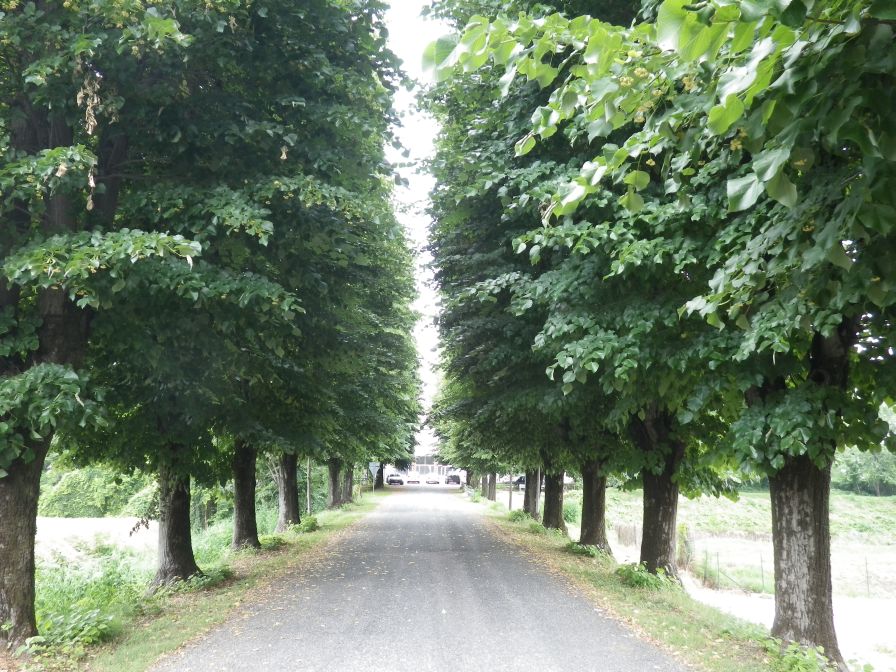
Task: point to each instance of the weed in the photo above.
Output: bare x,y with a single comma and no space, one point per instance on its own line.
638,576
572,511
308,524
797,658
475,496
588,550
536,528
518,516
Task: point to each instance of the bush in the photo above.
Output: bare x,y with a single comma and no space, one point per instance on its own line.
144,503
797,658
537,528
637,576
89,492
518,516
588,550
308,524
572,511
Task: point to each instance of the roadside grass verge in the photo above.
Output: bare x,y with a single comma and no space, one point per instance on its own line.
105,621
699,636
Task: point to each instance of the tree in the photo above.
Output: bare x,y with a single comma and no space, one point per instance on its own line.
790,191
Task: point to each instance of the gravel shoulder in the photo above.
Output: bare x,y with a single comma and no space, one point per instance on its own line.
422,583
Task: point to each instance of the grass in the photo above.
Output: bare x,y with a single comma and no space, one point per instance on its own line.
853,517
694,633
109,592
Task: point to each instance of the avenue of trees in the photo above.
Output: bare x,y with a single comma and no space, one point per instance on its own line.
200,263
665,244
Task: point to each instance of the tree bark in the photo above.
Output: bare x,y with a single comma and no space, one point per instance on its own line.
473,479
379,482
19,491
483,486
287,491
653,436
800,497
493,486
532,493
245,524
348,483
594,499
334,483
553,502
802,544
176,561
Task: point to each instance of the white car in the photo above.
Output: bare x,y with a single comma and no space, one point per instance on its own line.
434,479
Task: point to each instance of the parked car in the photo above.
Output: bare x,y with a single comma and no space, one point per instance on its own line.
394,479
452,479
433,479
413,477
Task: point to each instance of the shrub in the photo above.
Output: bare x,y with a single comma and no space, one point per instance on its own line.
797,658
637,576
518,516
588,550
572,511
308,524
537,528
475,496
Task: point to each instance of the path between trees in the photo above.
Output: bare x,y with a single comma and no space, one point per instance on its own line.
421,584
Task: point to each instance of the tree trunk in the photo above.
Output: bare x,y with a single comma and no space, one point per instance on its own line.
176,561
553,502
287,491
245,524
493,486
473,479
802,542
653,436
334,482
379,482
594,498
483,489
348,484
532,494
19,491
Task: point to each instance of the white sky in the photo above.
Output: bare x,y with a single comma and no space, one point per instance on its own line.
409,33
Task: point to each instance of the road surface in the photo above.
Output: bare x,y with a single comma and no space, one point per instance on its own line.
421,584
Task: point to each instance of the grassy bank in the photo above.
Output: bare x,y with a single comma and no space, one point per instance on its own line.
97,615
698,635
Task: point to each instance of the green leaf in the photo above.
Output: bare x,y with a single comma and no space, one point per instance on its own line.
438,57
525,145
782,189
721,117
743,192
632,201
838,257
638,179
883,9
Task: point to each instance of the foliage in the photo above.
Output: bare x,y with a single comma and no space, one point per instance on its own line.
518,516
865,472
308,524
572,511
794,657
94,491
638,576
586,550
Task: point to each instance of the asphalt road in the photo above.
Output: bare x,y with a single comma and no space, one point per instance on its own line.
421,584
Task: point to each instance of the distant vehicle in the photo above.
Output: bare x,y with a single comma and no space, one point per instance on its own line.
452,478
394,479
433,479
413,477
520,480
